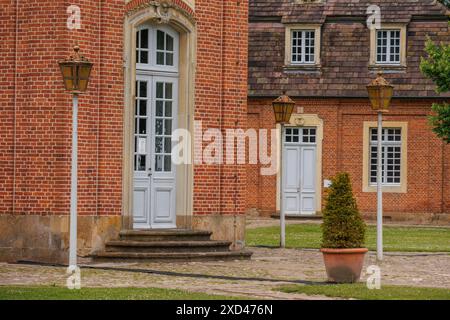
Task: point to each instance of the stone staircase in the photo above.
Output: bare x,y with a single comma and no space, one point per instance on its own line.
167,245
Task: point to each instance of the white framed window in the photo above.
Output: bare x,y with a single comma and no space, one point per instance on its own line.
394,157
157,48
141,125
302,49
142,46
164,49
391,156
164,118
388,46
300,135
303,46
156,98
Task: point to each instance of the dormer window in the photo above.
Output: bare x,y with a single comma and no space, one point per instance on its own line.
388,47
302,47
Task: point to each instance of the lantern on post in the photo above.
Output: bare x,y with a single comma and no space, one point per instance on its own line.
283,107
75,71
380,95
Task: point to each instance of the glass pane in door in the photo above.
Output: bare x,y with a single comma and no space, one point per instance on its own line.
141,126
163,127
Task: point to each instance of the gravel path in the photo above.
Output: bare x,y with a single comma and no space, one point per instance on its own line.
255,278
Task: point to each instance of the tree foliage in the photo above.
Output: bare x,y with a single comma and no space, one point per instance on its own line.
436,66
343,226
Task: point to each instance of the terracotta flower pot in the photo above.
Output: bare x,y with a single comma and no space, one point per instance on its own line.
344,265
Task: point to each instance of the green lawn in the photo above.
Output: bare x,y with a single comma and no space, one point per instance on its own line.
60,293
360,291
410,239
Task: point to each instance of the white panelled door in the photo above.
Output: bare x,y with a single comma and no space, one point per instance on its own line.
299,171
154,172
156,109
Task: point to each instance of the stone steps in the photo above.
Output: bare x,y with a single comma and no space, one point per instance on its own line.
165,235
171,256
164,246
167,245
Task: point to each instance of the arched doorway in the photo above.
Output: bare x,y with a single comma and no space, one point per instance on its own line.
159,98
156,110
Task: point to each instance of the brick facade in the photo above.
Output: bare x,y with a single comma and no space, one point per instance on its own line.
335,91
221,99
39,111
428,160
35,131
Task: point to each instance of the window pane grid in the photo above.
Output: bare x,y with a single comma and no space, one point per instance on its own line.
142,46
388,46
163,127
140,126
164,49
303,46
300,135
391,156
156,47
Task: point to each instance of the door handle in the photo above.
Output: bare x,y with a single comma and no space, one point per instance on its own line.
150,172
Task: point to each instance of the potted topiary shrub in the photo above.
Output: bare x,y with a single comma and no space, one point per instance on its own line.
343,233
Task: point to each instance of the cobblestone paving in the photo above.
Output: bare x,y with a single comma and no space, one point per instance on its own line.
255,278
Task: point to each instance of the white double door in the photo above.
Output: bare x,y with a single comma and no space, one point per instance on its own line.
154,195
299,171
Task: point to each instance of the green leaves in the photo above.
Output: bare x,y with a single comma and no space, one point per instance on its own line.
342,225
437,67
441,121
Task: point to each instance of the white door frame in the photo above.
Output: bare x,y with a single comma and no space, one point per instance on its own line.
155,191
186,30
154,188
299,171
304,120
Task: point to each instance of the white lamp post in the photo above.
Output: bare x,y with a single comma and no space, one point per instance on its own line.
75,71
283,107
380,95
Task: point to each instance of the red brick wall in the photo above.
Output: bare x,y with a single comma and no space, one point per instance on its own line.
43,108
428,169
7,53
221,99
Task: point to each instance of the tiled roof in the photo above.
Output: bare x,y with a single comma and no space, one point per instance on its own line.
345,46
